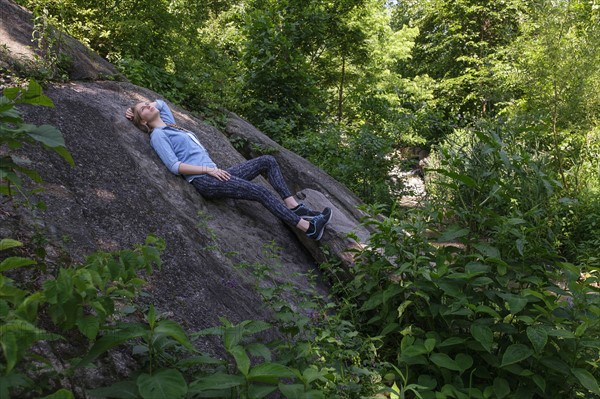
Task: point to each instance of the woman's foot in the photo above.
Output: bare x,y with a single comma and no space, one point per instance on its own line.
318,223
305,212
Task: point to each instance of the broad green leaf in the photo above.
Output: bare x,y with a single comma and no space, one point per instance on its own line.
215,381
429,344
260,391
540,382
119,390
268,371
297,391
580,330
487,310
164,384
89,326
232,336
7,243
112,339
452,341
63,152
515,353
375,300
481,281
463,361
445,361
538,336
175,331
501,387
414,351
258,349
515,303
310,374
11,93
48,135
292,391
487,250
427,381
453,233
483,335
467,180
33,95
403,307
242,360
218,330
12,380
15,262
473,268
28,308
556,364
256,326
9,345
195,360
559,332
60,394
520,244
390,327
391,292
151,317
586,379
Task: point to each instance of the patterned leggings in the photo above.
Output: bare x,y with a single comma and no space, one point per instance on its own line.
239,186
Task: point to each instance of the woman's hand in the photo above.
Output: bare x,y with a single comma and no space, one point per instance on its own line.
220,174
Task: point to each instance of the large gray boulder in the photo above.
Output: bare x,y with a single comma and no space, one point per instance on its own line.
119,191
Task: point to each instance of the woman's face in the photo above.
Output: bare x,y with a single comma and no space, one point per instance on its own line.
146,111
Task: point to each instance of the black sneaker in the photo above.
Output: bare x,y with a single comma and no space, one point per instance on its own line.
304,212
317,224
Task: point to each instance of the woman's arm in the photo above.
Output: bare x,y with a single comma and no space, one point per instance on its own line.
187,169
165,112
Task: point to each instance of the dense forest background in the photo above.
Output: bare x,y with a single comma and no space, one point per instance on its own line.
348,84
489,288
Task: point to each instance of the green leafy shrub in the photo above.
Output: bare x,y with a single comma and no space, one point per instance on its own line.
359,158
81,296
469,297
491,184
14,132
324,350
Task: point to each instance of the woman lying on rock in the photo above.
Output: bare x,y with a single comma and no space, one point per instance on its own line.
182,153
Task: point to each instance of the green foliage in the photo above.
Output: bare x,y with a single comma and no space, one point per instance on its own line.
104,278
327,355
14,132
248,380
554,62
497,188
363,163
81,297
458,45
460,320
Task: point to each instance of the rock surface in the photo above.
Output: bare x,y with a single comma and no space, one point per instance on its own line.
119,191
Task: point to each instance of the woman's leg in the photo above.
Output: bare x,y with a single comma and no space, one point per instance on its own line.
267,163
240,188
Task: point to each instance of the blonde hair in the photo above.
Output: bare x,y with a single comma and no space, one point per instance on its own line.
138,121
